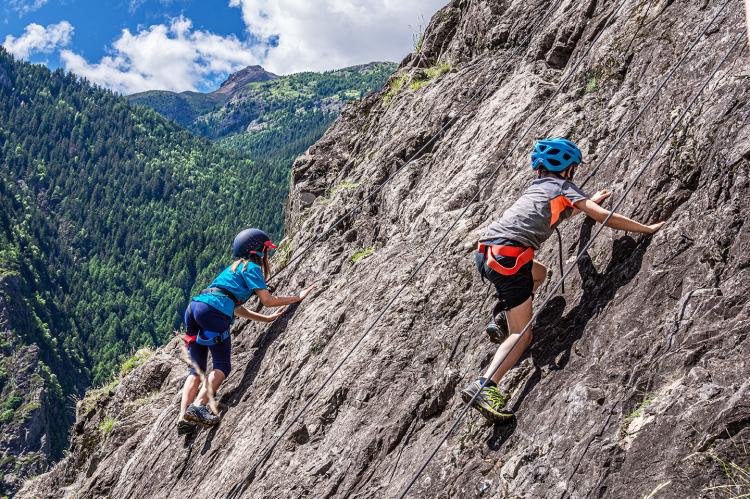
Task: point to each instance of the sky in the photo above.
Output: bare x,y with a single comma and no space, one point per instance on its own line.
136,45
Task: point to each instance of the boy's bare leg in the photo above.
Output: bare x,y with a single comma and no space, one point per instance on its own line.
517,318
539,274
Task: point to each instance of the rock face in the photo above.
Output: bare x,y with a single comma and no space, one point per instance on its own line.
637,383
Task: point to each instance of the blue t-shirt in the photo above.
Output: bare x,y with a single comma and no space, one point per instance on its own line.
242,284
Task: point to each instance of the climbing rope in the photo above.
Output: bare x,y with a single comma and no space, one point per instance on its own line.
632,123
240,487
306,250
580,255
653,96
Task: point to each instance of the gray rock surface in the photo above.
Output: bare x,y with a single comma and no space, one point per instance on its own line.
637,383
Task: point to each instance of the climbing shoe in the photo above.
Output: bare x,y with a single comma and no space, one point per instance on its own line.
490,402
497,330
202,415
185,427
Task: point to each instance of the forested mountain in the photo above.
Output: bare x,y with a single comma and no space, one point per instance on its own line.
268,119
42,356
186,107
110,215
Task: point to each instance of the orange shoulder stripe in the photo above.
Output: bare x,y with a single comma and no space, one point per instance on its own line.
557,206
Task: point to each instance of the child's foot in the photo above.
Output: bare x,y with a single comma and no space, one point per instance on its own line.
185,427
490,402
202,415
497,330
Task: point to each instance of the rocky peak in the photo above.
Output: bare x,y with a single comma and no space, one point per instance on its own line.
241,78
636,384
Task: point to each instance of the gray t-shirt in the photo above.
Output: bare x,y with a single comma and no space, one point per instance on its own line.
534,216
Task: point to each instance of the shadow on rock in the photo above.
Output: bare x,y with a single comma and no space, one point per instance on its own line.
233,397
500,434
554,334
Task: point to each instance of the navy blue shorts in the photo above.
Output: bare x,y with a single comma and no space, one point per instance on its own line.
512,290
205,317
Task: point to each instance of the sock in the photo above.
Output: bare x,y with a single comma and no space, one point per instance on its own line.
489,384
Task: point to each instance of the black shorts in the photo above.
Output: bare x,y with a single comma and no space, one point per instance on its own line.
512,290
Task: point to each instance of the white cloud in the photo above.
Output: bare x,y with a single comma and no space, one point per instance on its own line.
286,36
23,7
38,39
330,34
174,57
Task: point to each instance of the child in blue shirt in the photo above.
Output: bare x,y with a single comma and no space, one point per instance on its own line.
210,314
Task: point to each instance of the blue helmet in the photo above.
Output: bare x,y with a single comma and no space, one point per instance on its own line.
555,155
251,242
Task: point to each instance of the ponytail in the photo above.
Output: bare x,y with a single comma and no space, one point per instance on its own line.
265,266
261,262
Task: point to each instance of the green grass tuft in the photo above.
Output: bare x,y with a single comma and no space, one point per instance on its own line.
362,254
95,395
430,74
108,425
637,412
592,85
137,359
394,87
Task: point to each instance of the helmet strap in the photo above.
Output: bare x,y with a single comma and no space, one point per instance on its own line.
569,172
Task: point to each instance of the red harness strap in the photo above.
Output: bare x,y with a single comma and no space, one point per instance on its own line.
188,339
522,256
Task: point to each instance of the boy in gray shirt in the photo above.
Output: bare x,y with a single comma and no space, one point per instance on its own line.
505,256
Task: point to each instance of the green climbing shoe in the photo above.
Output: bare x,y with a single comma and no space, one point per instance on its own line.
490,402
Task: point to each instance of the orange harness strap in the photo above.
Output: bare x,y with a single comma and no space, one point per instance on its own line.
522,256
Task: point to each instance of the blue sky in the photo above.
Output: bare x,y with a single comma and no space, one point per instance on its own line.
136,45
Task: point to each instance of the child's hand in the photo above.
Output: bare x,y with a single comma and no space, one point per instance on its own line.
654,227
275,315
303,294
600,196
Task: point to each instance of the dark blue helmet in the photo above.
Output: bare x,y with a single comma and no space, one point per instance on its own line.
251,242
555,155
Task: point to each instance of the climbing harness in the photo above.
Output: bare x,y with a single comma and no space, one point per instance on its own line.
521,254
205,337
222,291
583,251
239,488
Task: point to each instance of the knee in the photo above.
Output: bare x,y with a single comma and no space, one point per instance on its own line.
526,339
539,271
225,367
193,381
